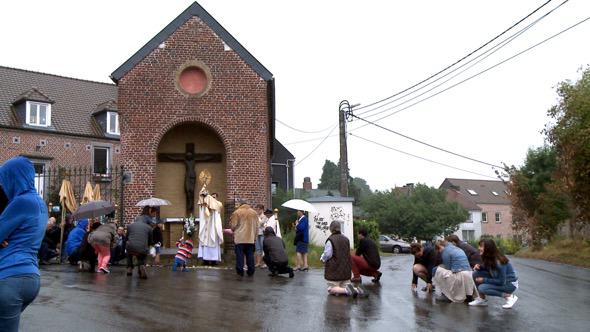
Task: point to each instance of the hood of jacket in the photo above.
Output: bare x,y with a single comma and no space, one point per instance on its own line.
82,224
17,177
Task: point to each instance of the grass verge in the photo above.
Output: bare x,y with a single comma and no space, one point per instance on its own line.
313,252
574,252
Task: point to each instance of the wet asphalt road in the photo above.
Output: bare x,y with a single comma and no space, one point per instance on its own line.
552,297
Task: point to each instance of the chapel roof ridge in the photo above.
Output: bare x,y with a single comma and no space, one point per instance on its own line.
55,75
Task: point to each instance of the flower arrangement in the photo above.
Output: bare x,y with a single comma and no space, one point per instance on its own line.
190,225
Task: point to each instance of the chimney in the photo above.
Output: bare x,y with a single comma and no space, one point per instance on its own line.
307,183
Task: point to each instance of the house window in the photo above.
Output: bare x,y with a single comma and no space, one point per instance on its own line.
470,217
498,217
113,123
100,160
273,188
494,193
484,217
472,192
468,235
39,180
38,114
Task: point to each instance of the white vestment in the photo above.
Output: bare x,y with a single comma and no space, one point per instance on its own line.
210,229
274,223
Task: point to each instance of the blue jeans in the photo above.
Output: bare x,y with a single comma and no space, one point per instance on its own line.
493,290
16,293
259,243
241,250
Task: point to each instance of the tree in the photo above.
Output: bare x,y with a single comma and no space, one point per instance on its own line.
330,179
330,176
569,133
538,205
359,189
423,214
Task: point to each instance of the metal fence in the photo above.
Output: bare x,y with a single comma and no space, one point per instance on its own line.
48,183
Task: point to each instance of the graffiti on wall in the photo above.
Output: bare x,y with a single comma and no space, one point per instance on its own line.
336,214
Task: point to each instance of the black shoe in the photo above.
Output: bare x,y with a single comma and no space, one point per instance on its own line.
377,277
443,298
291,274
352,291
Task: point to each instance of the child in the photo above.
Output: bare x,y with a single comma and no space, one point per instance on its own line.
185,252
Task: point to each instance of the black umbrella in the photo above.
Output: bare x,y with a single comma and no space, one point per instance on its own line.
93,209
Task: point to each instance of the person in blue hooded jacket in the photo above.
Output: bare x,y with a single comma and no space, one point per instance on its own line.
75,239
22,227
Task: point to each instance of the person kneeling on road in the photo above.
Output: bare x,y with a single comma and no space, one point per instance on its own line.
336,258
275,256
425,259
366,261
495,277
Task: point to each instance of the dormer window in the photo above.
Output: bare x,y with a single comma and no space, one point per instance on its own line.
113,123
38,114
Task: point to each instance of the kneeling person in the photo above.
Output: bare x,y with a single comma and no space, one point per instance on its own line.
366,262
275,256
336,258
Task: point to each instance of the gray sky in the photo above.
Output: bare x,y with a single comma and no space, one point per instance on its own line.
321,52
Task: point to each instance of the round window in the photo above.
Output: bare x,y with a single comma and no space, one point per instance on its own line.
193,80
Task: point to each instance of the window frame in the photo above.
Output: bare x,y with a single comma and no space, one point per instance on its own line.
484,217
108,159
38,122
118,131
498,217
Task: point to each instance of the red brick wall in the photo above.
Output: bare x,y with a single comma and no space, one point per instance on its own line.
491,227
235,108
76,155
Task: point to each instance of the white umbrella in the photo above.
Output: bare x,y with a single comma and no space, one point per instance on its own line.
299,204
153,201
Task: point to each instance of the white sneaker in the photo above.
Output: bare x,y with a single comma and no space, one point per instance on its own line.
479,302
510,302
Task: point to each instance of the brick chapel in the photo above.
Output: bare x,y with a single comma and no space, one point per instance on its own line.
193,92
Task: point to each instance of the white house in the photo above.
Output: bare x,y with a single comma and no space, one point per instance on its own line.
471,228
330,208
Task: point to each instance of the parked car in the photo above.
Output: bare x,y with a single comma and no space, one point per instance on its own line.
395,246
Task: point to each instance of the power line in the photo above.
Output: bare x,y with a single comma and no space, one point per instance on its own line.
303,131
479,73
422,158
491,51
317,146
427,144
458,61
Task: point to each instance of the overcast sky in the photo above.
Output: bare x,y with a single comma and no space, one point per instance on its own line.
322,52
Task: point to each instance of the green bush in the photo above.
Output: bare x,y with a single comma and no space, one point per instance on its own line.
371,226
506,246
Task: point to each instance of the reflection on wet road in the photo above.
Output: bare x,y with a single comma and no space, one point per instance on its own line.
552,297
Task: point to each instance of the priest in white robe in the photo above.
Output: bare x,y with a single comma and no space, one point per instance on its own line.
210,228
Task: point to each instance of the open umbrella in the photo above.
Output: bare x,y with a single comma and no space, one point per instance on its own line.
93,209
299,204
153,201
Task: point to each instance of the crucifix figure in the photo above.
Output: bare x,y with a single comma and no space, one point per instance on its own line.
190,158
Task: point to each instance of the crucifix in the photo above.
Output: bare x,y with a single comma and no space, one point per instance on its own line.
190,158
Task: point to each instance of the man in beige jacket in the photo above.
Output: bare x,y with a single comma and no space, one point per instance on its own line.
244,224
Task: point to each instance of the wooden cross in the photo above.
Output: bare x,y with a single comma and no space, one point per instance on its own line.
190,158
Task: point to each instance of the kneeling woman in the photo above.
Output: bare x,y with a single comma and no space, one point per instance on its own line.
496,277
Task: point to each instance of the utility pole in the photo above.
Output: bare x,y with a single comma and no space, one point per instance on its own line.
344,111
